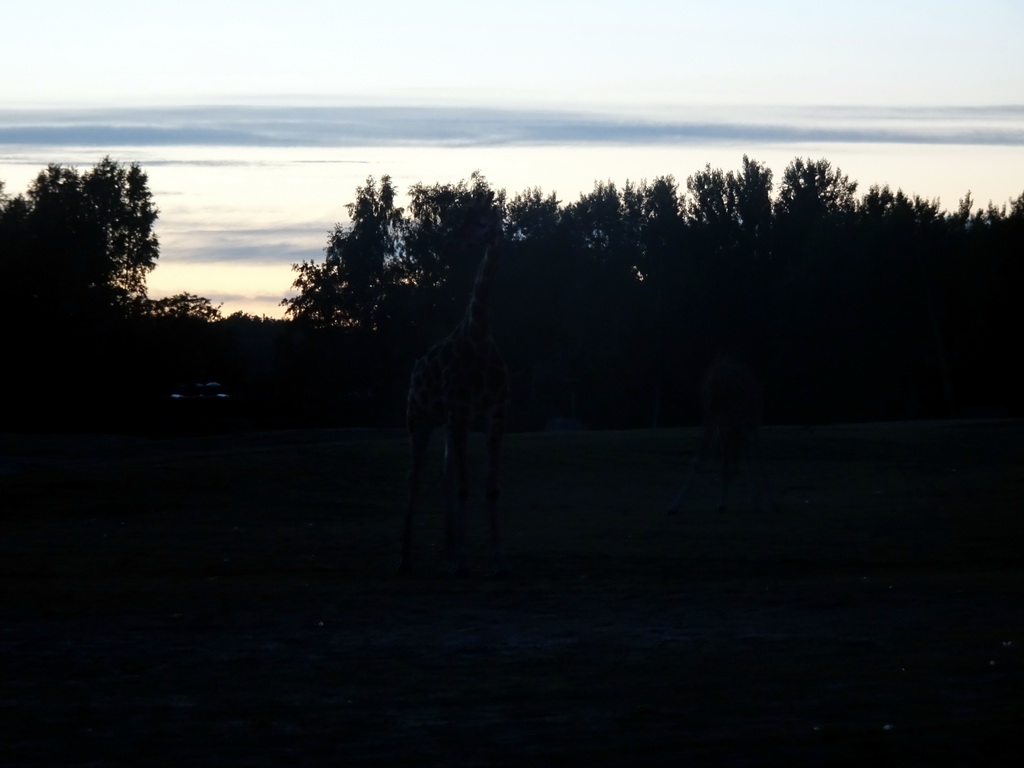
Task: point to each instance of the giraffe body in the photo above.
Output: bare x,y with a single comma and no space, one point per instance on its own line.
733,406
460,381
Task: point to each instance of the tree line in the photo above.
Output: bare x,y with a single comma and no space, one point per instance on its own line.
850,306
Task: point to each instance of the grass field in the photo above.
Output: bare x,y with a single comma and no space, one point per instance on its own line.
232,600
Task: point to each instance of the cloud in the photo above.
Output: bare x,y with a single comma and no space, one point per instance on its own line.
441,126
255,303
270,246
235,298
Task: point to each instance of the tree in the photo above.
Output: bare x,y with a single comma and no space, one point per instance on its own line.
185,306
893,307
531,306
729,226
438,274
78,245
752,192
980,277
812,189
731,215
604,229
662,236
75,250
123,213
351,286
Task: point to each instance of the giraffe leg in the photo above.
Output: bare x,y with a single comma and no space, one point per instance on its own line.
726,478
732,455
705,447
763,487
680,499
492,491
419,437
456,490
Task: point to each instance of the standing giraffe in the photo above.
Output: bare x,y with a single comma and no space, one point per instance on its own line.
459,380
733,407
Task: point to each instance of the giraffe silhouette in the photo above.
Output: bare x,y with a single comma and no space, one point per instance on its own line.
459,381
733,405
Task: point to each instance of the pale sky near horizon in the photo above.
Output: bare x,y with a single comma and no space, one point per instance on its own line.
877,87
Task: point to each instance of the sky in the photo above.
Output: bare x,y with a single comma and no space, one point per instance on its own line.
256,120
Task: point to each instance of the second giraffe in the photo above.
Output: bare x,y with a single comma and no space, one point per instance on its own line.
733,406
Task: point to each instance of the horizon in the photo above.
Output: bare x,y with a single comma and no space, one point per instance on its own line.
232,220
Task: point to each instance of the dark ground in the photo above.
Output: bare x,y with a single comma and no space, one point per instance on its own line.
232,601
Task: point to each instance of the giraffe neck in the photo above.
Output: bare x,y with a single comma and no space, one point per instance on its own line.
477,316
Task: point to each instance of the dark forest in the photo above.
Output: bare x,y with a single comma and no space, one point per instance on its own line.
850,305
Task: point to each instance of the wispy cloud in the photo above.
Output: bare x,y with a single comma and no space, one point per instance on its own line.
270,246
256,303
404,126
236,298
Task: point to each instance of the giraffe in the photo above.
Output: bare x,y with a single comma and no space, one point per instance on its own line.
460,380
733,406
